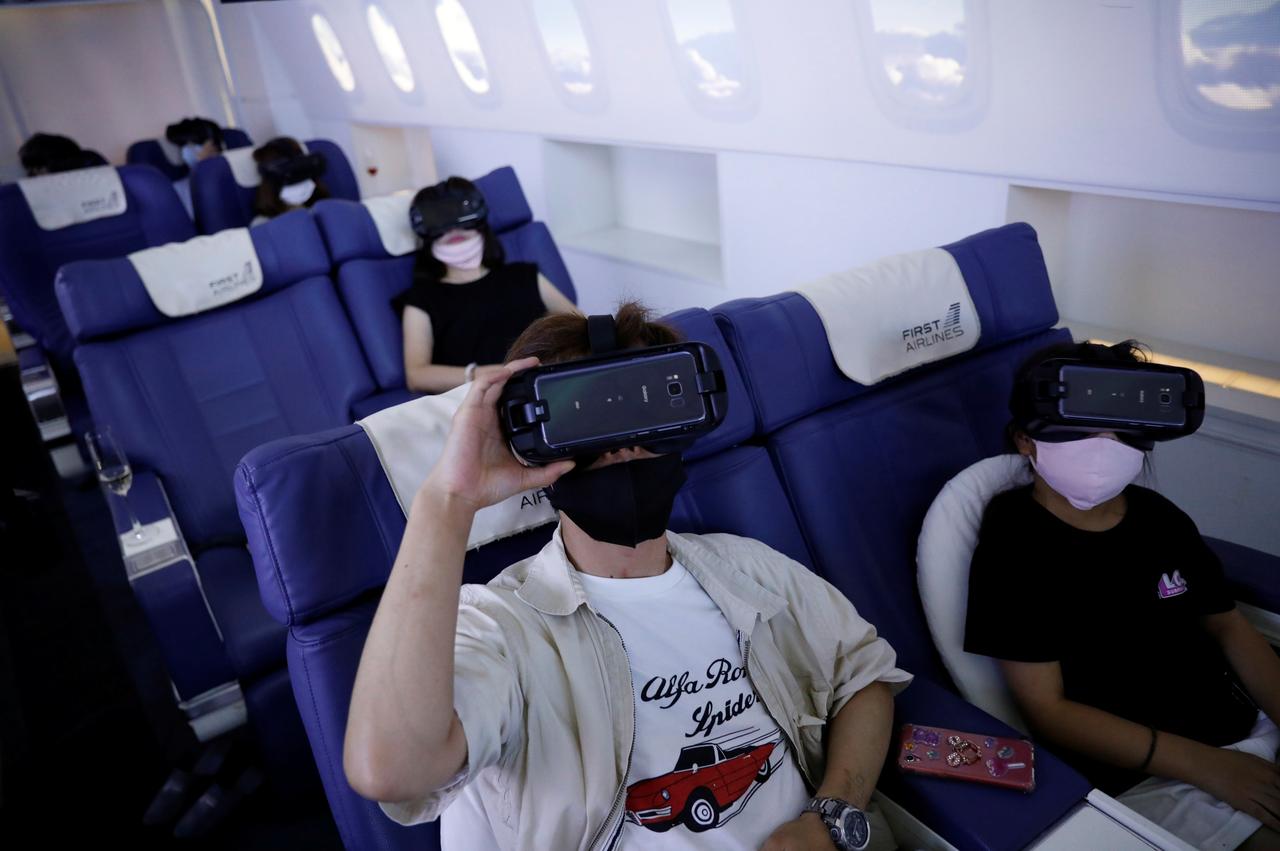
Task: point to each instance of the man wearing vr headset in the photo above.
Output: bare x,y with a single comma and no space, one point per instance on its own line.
290,178
467,305
627,687
1109,614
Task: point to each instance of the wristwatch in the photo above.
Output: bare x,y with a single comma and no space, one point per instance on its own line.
846,823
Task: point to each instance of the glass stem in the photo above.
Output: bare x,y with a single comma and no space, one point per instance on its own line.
135,526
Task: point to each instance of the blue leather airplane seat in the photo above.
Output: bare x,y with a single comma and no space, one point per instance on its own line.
220,202
186,397
369,278
862,464
30,255
324,526
151,152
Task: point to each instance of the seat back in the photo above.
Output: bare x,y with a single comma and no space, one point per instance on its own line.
948,538
188,396
861,464
152,152
219,201
324,526
30,255
369,278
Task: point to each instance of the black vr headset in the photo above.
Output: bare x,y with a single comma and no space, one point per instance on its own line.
193,131
291,170
439,209
1065,399
662,398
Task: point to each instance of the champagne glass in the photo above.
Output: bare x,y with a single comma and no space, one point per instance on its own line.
114,471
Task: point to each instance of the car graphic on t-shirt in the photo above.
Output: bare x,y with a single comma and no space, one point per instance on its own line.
706,781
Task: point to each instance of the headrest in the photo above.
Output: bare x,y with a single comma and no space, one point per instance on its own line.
698,325
198,275
244,169
947,541
508,207
352,231
390,215
159,154
105,297
781,346
74,197
898,313
409,439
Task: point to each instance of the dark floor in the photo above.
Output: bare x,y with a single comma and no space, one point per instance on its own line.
90,728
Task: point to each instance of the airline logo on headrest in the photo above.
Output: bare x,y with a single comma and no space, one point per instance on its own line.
228,285
941,330
106,204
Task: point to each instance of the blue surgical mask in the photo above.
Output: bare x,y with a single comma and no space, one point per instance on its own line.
191,154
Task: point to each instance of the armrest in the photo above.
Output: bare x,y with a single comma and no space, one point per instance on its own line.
1254,576
971,815
163,578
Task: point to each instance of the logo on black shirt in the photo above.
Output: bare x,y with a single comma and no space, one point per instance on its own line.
1171,586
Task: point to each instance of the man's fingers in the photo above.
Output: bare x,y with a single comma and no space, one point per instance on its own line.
544,476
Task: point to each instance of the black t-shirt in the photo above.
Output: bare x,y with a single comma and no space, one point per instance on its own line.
1119,610
478,322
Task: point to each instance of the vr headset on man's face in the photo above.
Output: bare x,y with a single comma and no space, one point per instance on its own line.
294,169
1141,403
661,398
435,213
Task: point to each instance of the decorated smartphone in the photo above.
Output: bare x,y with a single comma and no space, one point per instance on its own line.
994,760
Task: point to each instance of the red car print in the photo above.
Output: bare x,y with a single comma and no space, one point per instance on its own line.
706,781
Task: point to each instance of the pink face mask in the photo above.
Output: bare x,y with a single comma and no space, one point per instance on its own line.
464,253
1087,472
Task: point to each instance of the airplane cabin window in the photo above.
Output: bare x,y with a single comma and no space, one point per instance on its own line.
390,48
334,55
924,63
711,56
568,51
1220,78
463,45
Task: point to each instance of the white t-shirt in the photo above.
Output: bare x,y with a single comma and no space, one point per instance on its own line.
694,707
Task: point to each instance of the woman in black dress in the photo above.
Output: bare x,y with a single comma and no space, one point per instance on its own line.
467,305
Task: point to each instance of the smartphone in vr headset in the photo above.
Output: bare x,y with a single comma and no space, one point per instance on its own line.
638,397
1123,396
1146,401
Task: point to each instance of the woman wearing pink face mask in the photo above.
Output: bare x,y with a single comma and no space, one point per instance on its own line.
467,305
1120,641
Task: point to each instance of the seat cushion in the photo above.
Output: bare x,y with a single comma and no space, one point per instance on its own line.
254,641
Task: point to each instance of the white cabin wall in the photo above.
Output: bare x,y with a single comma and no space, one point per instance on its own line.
107,74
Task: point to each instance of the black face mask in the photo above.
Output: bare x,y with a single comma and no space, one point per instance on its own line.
621,504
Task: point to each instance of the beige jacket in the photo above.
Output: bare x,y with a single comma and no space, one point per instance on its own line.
542,684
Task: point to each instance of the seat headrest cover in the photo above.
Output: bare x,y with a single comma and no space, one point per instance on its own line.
105,297
897,313
172,153
244,169
409,439
947,541
508,207
198,275
74,197
390,214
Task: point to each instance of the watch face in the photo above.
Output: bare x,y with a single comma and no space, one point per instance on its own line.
856,830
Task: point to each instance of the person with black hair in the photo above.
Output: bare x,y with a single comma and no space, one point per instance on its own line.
291,178
467,304
197,139
1118,637
48,153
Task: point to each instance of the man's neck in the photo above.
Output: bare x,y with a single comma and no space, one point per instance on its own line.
610,561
